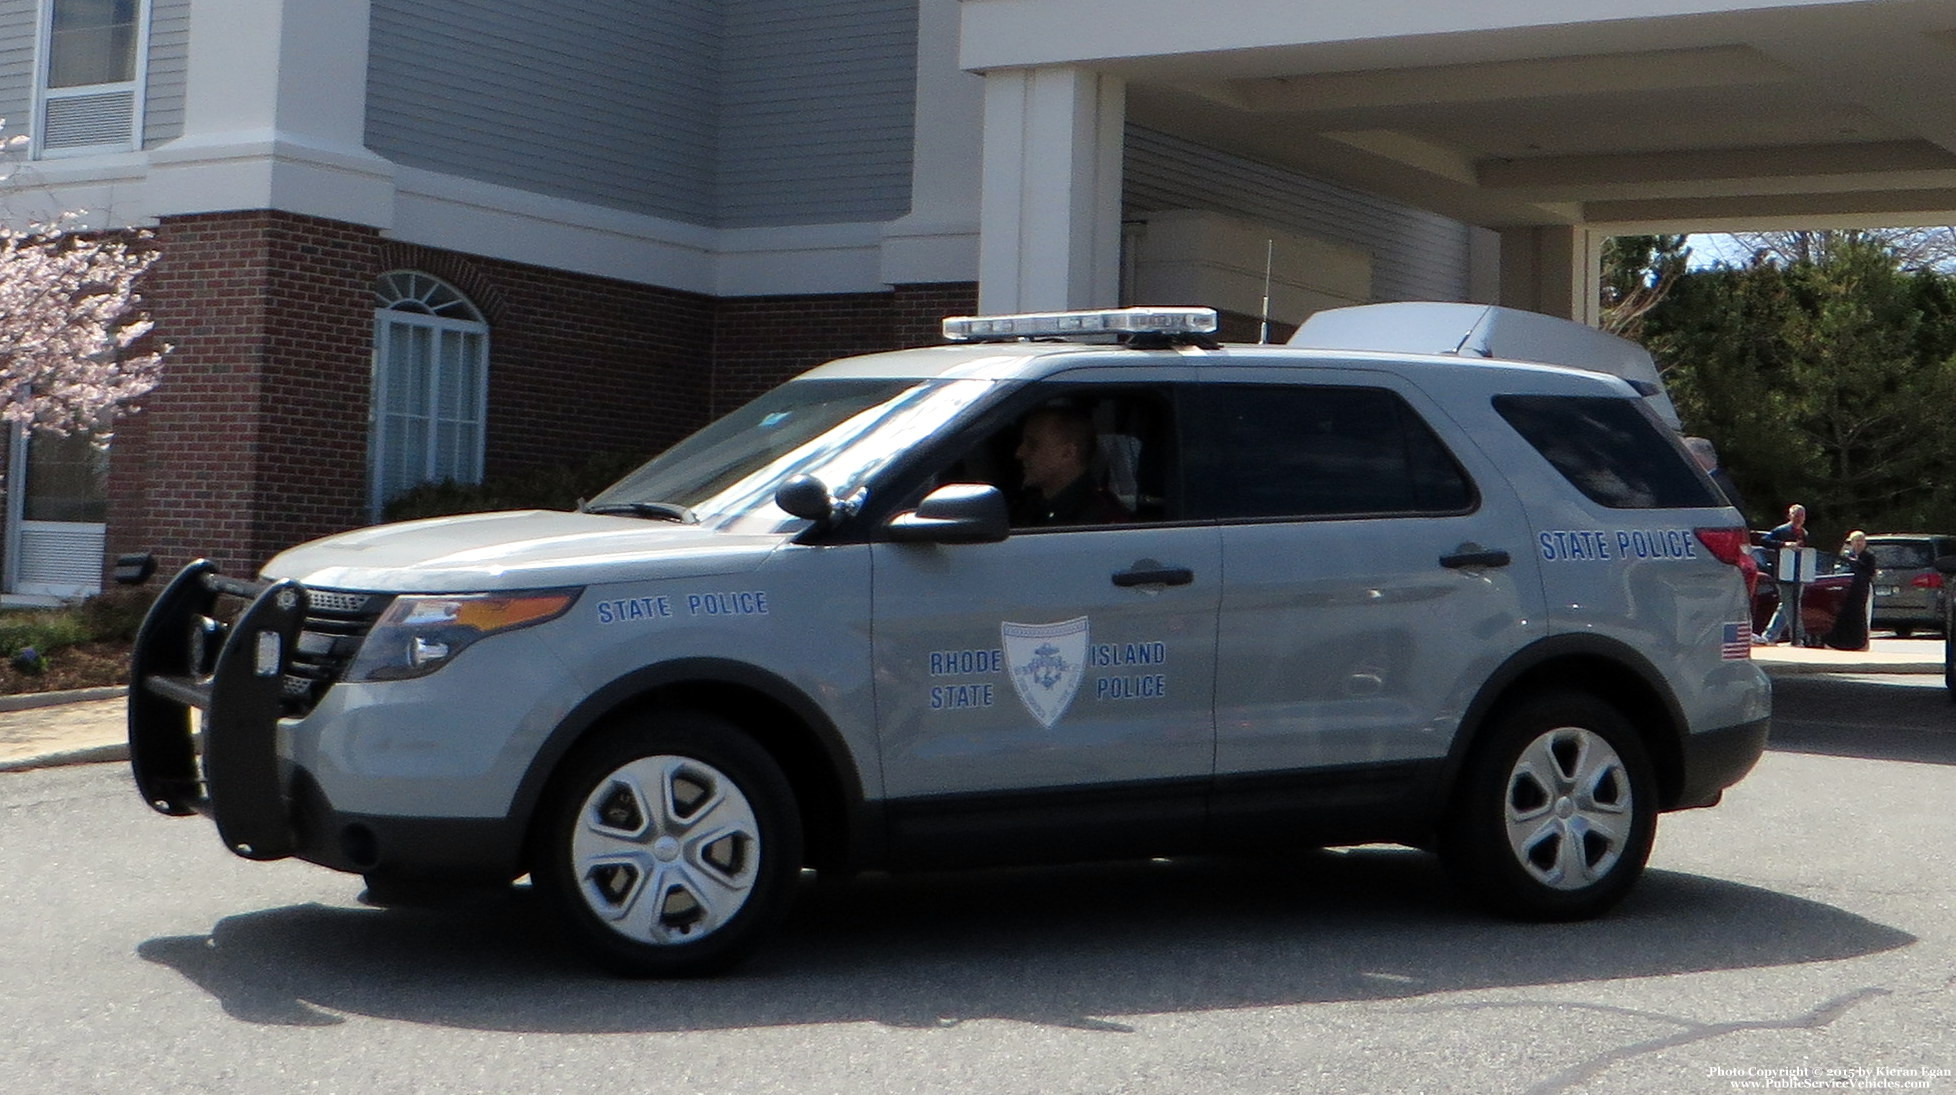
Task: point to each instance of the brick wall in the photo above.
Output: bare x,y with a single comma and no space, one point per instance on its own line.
761,341
257,437
250,438
578,366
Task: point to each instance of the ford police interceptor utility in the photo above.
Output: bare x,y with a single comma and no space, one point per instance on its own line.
1481,606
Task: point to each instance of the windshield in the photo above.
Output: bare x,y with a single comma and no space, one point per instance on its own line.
842,431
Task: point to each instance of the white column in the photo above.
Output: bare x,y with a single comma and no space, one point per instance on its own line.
275,105
1050,215
938,240
1555,270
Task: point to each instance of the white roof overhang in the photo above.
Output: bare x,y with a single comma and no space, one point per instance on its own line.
1634,116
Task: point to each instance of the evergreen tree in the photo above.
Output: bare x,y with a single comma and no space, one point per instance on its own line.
1824,380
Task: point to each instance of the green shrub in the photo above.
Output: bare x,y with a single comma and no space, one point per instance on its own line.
543,488
113,616
45,630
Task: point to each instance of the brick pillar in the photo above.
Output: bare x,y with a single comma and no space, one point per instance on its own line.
256,438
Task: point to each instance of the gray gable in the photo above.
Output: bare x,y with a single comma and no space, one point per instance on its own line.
592,100
17,26
169,48
707,111
818,104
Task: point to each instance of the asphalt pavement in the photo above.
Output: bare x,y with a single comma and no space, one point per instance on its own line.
90,726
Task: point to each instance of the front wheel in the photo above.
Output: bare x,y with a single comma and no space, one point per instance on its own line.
671,846
1555,812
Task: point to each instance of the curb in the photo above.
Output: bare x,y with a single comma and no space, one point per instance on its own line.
94,754
28,701
1805,669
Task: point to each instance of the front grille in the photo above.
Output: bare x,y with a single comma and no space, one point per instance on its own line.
336,622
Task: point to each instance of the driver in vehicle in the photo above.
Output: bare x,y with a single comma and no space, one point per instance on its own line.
1055,453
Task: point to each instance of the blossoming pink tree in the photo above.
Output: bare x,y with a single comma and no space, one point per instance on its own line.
70,322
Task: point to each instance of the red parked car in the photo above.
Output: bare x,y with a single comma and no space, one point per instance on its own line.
1820,598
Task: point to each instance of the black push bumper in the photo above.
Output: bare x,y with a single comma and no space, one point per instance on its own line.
234,673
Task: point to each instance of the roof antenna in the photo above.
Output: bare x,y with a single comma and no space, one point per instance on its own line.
1263,329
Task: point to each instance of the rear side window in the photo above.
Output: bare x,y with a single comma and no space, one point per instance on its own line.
1610,450
1277,451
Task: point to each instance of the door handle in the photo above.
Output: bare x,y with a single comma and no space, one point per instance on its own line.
1155,576
1474,555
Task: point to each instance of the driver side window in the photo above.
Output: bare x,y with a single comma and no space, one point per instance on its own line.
1081,456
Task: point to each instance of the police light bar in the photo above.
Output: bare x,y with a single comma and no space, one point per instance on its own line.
1110,321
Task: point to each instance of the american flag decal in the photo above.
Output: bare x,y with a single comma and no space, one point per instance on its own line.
1737,642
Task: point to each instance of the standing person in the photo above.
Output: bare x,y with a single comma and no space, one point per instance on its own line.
1792,534
1703,451
1850,630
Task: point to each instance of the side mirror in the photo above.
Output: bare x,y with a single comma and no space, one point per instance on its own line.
805,496
956,513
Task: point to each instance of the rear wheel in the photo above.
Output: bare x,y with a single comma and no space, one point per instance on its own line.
671,846
1556,810
1949,650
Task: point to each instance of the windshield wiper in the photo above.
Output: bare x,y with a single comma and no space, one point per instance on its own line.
658,511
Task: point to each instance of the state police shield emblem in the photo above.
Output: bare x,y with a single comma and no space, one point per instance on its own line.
1047,663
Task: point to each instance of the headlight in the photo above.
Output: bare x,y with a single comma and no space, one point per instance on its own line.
419,634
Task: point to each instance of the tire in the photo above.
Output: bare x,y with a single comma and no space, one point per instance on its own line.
1555,813
1949,651
1904,631
670,846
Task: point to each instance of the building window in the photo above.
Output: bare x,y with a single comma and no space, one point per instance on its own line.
431,371
91,79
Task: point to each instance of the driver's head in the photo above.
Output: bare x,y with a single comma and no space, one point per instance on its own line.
1055,444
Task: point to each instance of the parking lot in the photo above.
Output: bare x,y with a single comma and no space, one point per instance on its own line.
1803,924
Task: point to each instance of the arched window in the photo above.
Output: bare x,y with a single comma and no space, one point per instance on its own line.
431,371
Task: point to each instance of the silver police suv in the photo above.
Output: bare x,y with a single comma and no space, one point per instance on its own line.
1075,586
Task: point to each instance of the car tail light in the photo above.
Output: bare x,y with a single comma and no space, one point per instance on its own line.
1931,580
1727,545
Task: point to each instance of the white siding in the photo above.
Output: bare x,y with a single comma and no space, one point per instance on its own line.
819,101
594,100
1416,255
169,45
17,27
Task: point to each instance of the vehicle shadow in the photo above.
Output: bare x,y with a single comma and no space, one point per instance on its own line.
1068,947
1875,718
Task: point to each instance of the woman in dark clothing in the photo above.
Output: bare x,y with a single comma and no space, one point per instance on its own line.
1850,630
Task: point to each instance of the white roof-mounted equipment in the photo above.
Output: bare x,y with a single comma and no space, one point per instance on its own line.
1481,330
1136,326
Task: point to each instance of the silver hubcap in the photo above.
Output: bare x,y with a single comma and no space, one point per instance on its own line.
666,850
1568,808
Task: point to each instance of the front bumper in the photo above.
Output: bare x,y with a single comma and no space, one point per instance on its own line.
240,681
240,692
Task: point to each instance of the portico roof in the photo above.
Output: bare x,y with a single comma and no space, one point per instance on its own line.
1640,115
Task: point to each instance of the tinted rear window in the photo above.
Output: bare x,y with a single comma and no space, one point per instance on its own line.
1610,449
1903,554
1260,452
